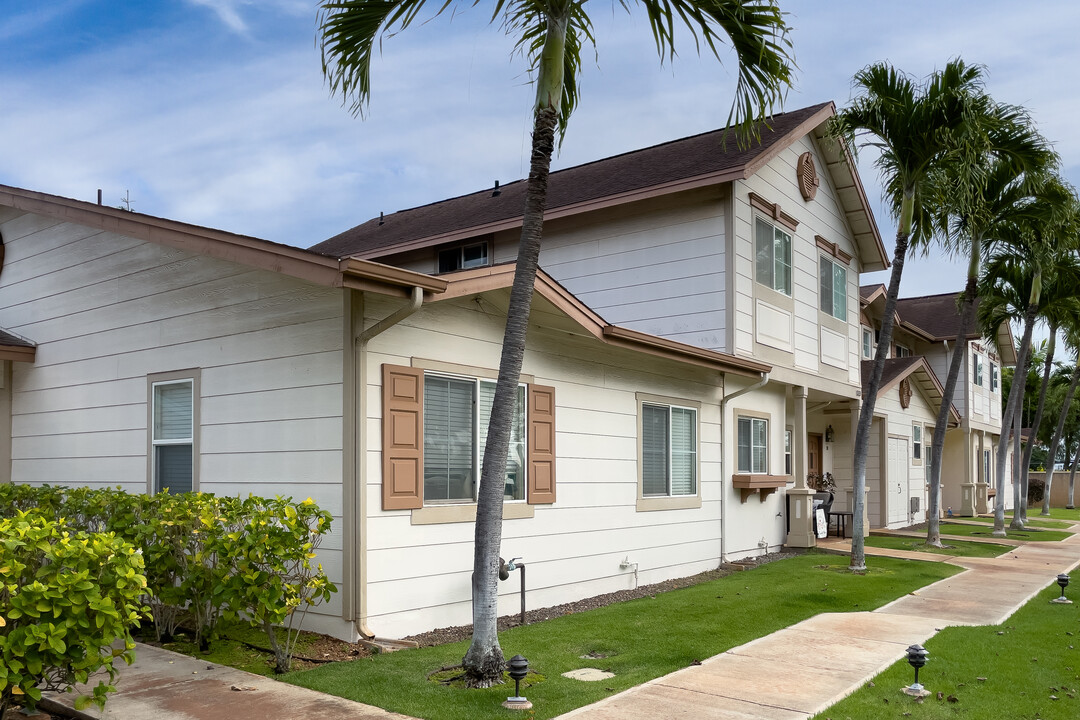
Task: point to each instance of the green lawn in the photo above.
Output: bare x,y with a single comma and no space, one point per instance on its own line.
1029,667
1035,521
638,640
953,547
1036,534
1057,513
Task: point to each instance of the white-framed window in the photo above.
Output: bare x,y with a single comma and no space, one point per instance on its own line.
172,435
986,467
456,415
976,368
669,450
867,343
916,442
753,442
832,288
787,452
463,257
903,351
772,252
994,379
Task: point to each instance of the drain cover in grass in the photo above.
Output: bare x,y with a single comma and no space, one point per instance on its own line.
588,674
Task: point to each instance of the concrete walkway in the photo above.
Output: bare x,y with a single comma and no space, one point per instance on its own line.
801,670
793,673
163,685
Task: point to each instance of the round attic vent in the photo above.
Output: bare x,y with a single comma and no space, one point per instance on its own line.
808,177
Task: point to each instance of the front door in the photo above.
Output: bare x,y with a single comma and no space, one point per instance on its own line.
814,464
897,482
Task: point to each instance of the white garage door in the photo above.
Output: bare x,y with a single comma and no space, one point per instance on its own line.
897,483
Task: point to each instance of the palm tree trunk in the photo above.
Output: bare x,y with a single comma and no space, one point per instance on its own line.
1057,439
866,414
1000,501
1011,409
1072,474
933,507
483,663
1040,406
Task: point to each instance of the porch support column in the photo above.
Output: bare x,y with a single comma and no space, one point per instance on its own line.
970,484
982,504
801,497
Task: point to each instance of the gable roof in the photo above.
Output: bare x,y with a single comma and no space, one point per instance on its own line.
696,161
920,372
253,252
467,283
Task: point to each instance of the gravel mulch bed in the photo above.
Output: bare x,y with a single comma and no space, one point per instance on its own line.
441,636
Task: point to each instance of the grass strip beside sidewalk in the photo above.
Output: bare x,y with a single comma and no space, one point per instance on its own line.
961,548
637,640
1028,667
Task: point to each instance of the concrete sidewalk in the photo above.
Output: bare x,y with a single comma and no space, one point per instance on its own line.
801,670
793,673
163,685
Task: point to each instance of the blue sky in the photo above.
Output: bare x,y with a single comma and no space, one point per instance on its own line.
215,111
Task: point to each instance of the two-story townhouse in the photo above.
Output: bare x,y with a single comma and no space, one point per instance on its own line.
693,354
926,328
755,252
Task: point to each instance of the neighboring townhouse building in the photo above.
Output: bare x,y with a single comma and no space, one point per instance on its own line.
926,327
753,252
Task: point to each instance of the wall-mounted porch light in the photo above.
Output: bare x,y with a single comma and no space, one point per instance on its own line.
829,434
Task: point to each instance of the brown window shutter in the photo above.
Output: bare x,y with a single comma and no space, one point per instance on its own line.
541,445
403,438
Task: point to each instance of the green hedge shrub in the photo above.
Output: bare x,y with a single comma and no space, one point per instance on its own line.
65,598
206,557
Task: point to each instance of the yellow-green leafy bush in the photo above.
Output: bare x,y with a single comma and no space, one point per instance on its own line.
65,598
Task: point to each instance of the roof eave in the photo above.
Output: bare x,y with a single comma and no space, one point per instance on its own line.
852,195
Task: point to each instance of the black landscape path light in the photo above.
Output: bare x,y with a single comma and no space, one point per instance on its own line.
1063,582
916,657
519,668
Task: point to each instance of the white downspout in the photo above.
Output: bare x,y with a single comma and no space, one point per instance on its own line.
723,424
416,299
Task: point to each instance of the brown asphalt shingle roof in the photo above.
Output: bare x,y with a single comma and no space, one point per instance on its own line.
936,315
8,339
673,161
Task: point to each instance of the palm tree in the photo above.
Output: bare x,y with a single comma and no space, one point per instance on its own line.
1032,255
551,35
915,128
969,201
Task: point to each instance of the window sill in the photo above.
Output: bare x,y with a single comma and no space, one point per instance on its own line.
677,502
441,514
763,485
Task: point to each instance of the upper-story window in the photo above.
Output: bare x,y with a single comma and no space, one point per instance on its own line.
993,377
463,257
833,288
867,343
772,251
903,351
976,369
